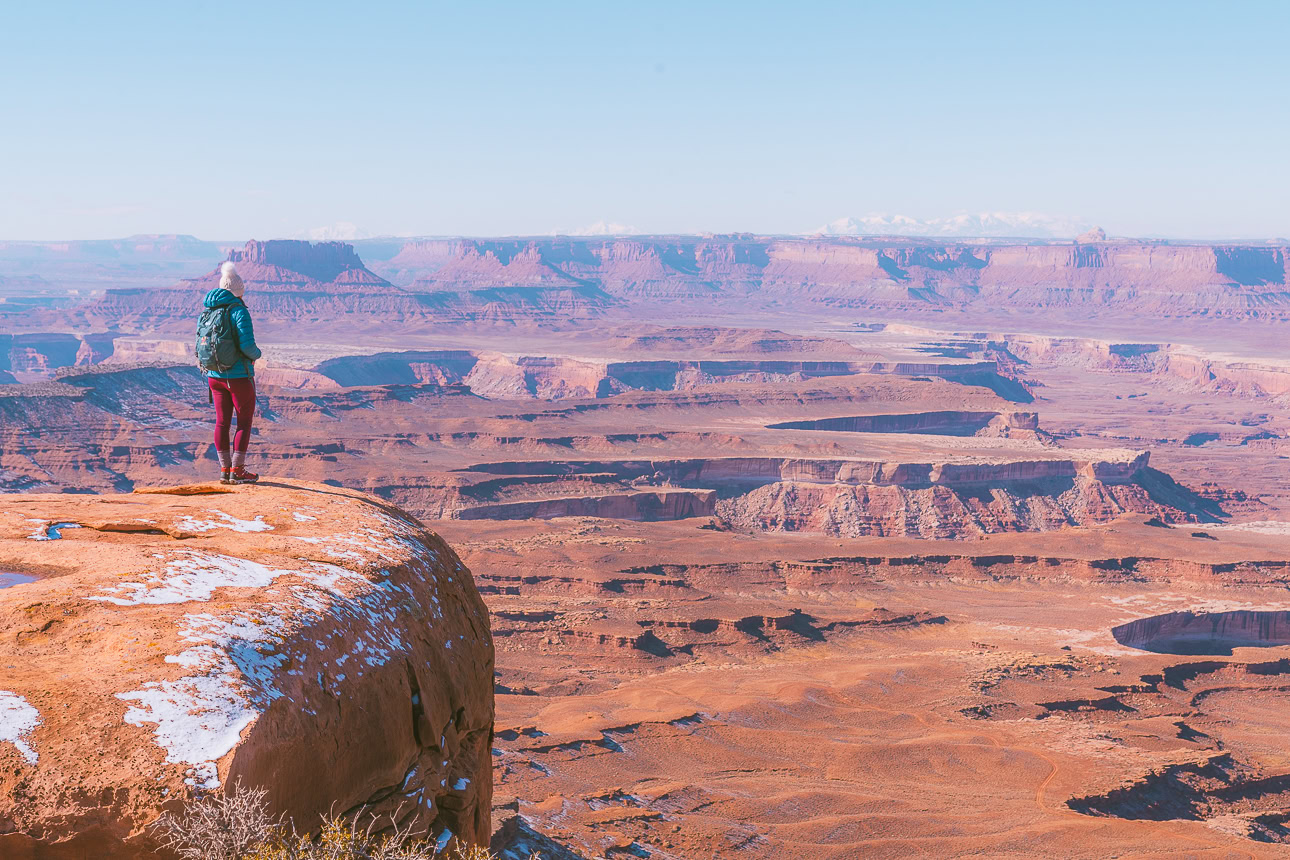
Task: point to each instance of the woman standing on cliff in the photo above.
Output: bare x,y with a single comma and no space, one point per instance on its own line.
226,350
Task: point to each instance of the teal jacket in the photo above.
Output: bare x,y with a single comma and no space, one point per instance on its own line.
241,318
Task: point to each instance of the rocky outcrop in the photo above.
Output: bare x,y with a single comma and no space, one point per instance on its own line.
291,280
301,638
734,473
504,376
36,356
320,262
444,366
644,506
849,498
289,265
1206,632
943,423
1179,366
949,510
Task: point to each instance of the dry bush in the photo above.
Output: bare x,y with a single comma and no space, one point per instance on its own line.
237,826
342,841
222,827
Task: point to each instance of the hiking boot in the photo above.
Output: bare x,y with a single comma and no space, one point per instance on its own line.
241,476
226,476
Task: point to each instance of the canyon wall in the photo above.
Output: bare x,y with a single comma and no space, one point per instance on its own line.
27,357
1179,365
499,375
1206,632
1116,466
1145,275
941,423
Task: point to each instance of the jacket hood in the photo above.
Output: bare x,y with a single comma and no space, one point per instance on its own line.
220,296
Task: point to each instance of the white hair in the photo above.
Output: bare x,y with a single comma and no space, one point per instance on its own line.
230,280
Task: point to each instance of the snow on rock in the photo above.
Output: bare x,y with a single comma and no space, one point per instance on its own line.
193,576
307,654
18,720
223,521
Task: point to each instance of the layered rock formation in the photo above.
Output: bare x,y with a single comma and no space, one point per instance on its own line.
942,423
849,498
555,279
301,638
1111,467
499,375
1169,277
1206,632
33,356
286,263
291,280
946,511
1177,365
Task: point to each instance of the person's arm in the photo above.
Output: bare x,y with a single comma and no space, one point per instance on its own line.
245,332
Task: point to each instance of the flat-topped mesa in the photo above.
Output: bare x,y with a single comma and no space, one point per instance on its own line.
939,423
321,261
1108,467
286,280
288,263
498,375
845,497
304,639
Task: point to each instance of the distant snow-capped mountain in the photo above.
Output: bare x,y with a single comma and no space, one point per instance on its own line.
993,224
341,231
602,228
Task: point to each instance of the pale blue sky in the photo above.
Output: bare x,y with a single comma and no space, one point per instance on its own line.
229,120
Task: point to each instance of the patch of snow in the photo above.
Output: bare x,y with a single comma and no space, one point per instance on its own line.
18,719
200,718
460,784
227,521
361,543
963,225
193,577
344,231
204,775
303,518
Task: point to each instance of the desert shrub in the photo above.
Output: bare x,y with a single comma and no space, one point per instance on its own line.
237,826
222,827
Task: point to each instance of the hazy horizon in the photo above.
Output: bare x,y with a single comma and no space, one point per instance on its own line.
431,119
637,234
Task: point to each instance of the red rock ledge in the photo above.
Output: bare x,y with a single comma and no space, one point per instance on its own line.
303,638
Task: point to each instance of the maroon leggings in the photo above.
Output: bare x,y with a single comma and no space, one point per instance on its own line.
233,395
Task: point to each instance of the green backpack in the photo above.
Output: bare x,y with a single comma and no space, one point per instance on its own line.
217,345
